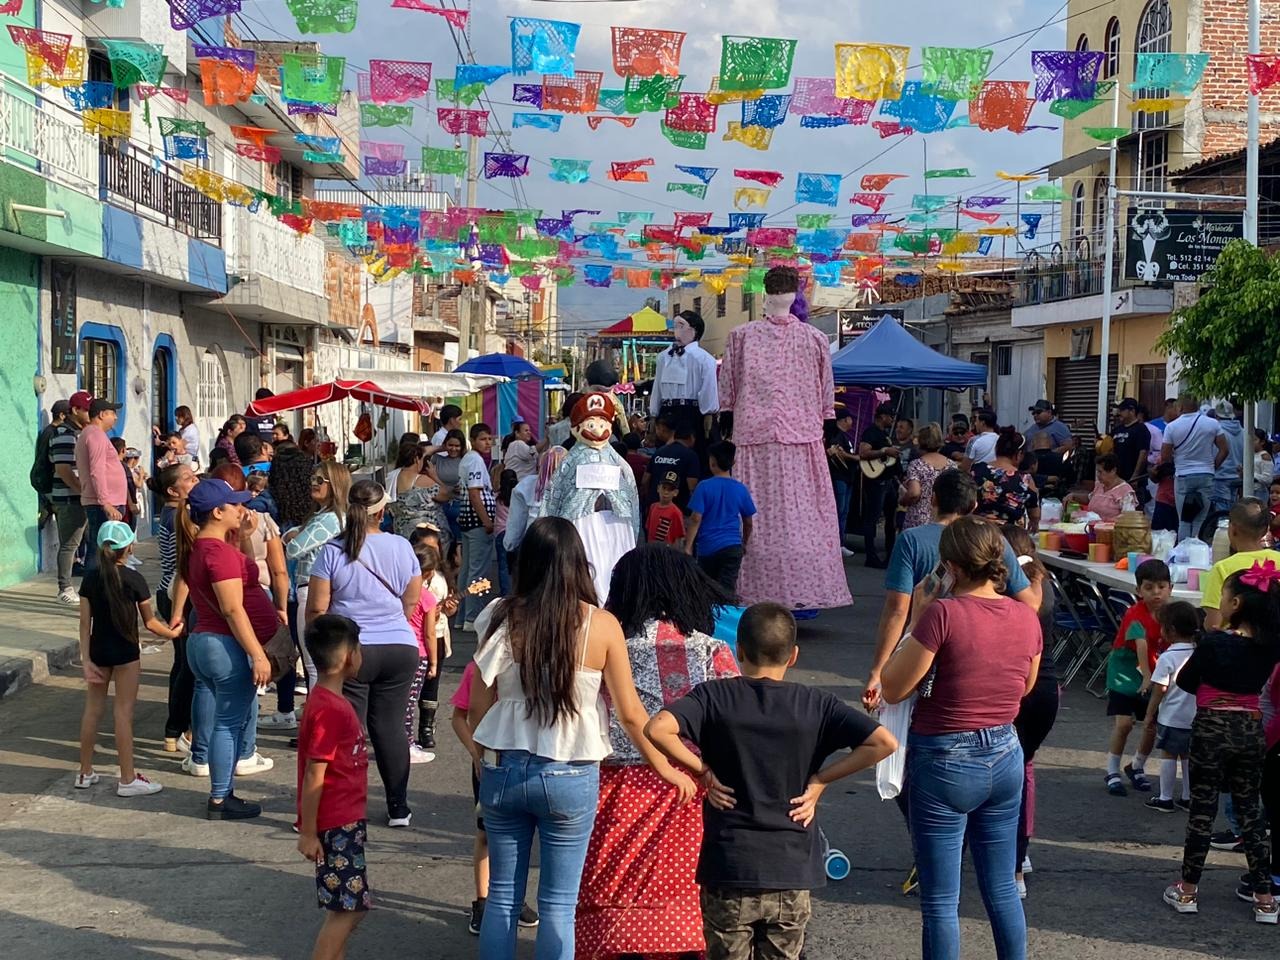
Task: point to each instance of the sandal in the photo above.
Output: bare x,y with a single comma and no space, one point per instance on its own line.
1182,901
1137,778
1115,785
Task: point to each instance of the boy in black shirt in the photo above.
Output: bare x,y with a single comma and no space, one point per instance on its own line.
763,742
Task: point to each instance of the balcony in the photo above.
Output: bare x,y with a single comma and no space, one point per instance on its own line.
446,330
46,138
132,181
1056,286
282,271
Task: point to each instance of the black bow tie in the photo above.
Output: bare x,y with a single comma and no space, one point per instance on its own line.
677,351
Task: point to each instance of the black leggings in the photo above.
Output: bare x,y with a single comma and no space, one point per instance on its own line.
1034,721
1271,800
379,694
182,682
430,694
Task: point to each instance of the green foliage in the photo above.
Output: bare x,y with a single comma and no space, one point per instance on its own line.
1228,341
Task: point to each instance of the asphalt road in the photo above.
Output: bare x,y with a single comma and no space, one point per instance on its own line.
91,874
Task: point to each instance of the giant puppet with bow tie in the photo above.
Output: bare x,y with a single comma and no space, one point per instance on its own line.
684,381
595,490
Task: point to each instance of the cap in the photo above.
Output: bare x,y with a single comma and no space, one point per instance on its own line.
98,405
1040,406
133,453
211,493
80,400
1128,403
60,408
670,479
115,533
1225,410
591,405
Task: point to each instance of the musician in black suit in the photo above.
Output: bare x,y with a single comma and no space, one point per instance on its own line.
877,453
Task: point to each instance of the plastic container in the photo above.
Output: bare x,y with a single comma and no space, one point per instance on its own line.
1079,542
834,861
1221,541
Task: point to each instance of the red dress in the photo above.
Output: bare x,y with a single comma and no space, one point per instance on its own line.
638,894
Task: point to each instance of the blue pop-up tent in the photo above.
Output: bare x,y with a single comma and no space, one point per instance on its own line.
888,356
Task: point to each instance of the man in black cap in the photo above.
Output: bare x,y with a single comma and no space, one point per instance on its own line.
1046,421
1132,442
684,380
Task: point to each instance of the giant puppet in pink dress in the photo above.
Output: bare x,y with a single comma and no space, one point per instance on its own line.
776,380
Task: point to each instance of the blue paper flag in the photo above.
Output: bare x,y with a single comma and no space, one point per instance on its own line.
984,245
701,173
819,122
543,46
466,74
822,188
918,110
539,121
319,144
1032,220
745,221
597,274
768,111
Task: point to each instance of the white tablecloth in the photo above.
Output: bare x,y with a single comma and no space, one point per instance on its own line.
1107,574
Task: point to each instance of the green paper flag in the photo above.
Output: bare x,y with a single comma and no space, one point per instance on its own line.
684,138
651,94
814,221
955,73
374,115
698,190
954,172
1046,191
444,161
465,95
755,63
1106,133
754,280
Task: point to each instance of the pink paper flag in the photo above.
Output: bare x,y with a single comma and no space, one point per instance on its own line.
457,18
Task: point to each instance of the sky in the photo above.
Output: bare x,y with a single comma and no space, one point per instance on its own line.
1013,28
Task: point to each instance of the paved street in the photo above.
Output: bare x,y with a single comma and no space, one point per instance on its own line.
94,875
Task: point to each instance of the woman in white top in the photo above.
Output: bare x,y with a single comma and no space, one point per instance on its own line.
537,712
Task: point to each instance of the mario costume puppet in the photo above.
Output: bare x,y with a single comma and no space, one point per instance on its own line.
595,490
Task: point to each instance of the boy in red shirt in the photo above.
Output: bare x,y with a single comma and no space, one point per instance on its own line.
1129,667
333,772
665,523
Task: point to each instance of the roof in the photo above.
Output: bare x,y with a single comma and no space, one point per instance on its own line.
887,355
1222,159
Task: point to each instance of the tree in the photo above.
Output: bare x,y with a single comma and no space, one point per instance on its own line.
1228,341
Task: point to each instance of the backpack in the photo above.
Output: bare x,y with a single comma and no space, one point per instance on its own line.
42,468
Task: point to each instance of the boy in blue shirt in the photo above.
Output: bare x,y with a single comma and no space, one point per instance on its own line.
720,513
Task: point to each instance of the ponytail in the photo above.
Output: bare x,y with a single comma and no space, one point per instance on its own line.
124,613
185,526
366,498
164,478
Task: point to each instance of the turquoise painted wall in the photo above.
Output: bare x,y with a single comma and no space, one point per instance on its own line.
20,308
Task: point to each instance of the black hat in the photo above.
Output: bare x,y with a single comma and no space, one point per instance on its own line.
1128,403
1041,406
670,479
60,408
98,405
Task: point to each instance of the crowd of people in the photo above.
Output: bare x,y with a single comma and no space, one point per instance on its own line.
671,778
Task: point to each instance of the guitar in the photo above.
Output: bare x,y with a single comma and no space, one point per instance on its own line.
478,587
874,469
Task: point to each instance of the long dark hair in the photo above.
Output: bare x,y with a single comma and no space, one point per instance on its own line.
544,616
656,582
409,453
164,478
124,614
1259,610
360,501
230,424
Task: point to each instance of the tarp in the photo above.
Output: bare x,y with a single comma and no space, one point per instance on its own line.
645,320
499,365
888,356
427,383
364,391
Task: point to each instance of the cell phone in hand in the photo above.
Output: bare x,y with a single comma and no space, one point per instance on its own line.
940,582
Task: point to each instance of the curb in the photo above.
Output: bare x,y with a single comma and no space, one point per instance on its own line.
17,673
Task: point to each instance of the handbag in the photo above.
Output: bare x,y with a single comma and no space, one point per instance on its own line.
280,651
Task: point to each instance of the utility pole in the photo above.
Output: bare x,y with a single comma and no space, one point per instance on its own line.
1251,225
467,319
1109,259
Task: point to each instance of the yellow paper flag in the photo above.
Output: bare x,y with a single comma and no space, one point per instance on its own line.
870,71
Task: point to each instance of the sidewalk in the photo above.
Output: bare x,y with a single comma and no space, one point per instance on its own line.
39,634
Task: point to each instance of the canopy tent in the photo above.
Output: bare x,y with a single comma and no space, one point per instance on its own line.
499,365
645,320
363,391
427,383
889,356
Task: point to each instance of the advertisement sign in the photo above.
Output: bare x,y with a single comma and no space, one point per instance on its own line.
854,323
1176,245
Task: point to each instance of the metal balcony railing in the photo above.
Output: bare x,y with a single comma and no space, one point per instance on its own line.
38,133
133,181
1053,273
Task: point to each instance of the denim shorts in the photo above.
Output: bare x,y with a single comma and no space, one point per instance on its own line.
1174,741
341,883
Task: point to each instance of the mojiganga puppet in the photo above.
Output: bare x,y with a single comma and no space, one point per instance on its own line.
595,490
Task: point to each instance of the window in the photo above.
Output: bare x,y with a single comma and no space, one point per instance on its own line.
1098,236
1082,43
211,397
99,368
1155,35
721,303
1153,165
1004,360
1077,211
1151,387
697,305
1111,65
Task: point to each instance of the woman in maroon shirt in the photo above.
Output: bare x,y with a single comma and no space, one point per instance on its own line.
234,618
972,657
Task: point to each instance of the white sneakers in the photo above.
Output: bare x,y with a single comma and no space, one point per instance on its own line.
139,786
278,721
419,754
846,552
69,597
255,764
193,768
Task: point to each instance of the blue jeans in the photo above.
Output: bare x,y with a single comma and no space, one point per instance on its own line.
967,783
1201,483
844,497
203,710
95,517
477,560
1225,494
504,566
222,667
559,800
